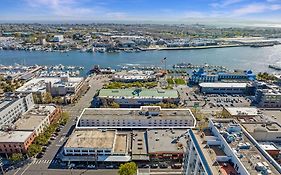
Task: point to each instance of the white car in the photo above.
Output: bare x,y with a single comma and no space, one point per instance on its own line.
72,165
91,166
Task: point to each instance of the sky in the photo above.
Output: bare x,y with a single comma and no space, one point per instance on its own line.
141,10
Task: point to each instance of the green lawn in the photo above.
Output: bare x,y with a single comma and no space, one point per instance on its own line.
170,81
179,81
120,85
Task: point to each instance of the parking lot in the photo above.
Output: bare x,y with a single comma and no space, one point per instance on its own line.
190,96
224,100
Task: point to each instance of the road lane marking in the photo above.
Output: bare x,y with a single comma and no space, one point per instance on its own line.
17,171
26,168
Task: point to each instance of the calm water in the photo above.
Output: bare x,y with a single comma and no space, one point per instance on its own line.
256,59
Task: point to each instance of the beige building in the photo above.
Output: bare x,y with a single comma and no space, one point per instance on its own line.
97,145
240,112
15,141
264,131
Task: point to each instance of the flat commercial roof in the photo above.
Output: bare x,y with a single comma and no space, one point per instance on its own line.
261,127
268,146
34,117
223,85
251,111
138,93
166,140
91,139
252,155
14,136
42,110
139,146
275,113
29,123
121,143
39,84
133,113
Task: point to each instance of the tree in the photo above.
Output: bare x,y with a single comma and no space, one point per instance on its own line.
114,105
16,157
48,97
37,99
197,114
58,100
33,150
128,169
64,118
42,139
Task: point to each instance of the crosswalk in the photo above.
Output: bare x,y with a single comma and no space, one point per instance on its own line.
44,162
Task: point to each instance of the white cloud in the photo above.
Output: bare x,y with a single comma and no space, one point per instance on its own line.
61,7
74,9
256,8
194,14
225,3
116,15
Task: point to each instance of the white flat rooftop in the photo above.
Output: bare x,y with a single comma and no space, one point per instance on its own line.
91,139
242,111
14,136
39,84
223,85
268,146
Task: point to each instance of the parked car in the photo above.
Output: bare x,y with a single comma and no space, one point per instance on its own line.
63,164
43,149
49,143
10,168
144,166
91,166
80,166
109,166
72,165
154,165
177,166
39,155
163,165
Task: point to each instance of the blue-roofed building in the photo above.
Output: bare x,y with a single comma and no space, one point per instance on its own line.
201,75
237,75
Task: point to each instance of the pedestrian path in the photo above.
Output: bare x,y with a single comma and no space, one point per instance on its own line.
44,162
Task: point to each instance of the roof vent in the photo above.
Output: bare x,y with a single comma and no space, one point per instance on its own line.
157,139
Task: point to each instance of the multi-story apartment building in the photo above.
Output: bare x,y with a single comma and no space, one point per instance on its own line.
130,118
225,147
12,106
268,98
36,119
64,86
